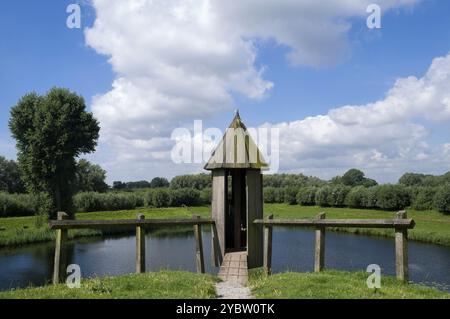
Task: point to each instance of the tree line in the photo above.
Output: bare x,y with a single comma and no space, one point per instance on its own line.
352,189
385,197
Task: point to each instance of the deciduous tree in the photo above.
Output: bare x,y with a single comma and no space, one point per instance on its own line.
51,131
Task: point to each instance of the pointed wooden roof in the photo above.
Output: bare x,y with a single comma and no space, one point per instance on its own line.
236,149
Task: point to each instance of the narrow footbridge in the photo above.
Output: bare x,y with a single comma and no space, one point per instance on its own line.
234,268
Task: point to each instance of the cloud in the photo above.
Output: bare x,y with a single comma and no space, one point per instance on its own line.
183,59
178,60
173,61
390,134
314,31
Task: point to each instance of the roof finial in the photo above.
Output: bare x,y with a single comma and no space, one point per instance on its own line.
236,112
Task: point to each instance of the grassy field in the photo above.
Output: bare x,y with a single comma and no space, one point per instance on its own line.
155,285
431,226
185,285
336,285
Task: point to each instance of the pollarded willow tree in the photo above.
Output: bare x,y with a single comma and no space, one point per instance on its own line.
51,131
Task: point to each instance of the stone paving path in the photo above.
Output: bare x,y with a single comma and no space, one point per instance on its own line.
232,290
234,273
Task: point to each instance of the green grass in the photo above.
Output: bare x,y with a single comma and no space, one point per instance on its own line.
24,230
186,285
335,285
153,285
431,226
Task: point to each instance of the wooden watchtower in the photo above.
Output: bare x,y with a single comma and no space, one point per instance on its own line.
237,195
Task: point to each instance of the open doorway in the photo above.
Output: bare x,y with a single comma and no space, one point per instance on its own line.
236,210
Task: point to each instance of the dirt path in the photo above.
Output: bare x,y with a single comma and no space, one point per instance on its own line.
232,290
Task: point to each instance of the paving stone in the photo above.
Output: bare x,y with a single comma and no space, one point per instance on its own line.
233,271
233,290
234,274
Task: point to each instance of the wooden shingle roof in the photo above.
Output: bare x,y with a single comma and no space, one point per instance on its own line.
236,150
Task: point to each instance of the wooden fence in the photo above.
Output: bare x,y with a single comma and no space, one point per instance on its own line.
400,224
63,224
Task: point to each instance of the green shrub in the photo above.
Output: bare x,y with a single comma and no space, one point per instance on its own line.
370,197
184,196
322,195
273,195
87,202
337,195
423,198
392,197
355,197
148,198
279,195
270,195
14,205
91,201
290,195
291,180
332,195
161,198
306,196
206,195
198,181
413,191
442,199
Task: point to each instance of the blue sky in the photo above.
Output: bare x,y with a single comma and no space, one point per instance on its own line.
38,52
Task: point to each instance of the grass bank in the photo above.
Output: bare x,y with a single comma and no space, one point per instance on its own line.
431,226
186,285
332,284
25,230
154,285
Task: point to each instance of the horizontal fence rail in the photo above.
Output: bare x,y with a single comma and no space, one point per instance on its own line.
360,223
131,223
400,224
63,225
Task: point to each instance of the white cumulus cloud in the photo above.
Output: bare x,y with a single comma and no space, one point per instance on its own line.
178,60
182,59
387,134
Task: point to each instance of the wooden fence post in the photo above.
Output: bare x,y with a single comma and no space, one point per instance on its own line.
401,249
60,253
319,260
268,247
140,246
200,261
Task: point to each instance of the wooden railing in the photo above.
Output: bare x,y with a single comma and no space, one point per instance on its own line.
63,224
400,224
